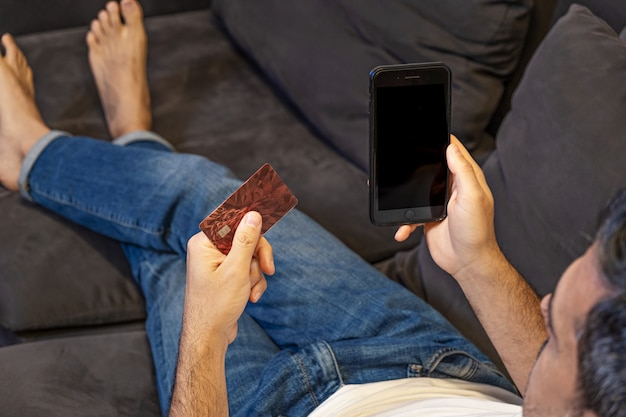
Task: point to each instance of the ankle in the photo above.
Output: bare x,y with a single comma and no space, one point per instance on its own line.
34,134
119,129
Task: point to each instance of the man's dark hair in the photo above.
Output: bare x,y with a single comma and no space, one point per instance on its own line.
602,359
602,345
611,238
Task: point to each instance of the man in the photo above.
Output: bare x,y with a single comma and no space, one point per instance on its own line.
327,334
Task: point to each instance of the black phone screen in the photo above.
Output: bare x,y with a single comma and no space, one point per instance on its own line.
412,136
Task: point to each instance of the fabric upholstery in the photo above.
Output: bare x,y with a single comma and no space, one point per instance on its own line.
549,176
319,54
7,337
104,375
55,274
21,17
611,11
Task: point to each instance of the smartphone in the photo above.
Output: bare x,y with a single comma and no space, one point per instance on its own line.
409,134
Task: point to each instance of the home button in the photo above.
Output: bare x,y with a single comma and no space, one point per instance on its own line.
409,214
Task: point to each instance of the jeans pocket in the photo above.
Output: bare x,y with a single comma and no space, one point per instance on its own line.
458,364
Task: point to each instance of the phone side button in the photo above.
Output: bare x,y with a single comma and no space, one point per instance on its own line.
409,214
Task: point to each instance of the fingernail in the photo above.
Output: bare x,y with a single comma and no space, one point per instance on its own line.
253,219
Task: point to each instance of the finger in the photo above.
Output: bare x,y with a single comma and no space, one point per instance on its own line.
245,242
470,184
265,255
258,283
461,167
202,258
405,231
199,246
478,172
200,241
258,290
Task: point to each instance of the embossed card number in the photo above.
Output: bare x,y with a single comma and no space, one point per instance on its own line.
264,192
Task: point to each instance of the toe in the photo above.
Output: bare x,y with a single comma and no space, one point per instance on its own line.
14,55
113,10
103,18
9,45
92,40
3,39
132,13
2,50
96,30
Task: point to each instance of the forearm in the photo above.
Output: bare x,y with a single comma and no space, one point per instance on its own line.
218,288
464,244
510,312
200,387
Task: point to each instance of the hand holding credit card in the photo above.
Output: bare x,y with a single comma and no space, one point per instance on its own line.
264,192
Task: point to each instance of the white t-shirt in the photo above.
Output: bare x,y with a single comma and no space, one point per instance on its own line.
423,397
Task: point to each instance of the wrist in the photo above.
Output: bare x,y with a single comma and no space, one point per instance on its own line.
194,356
203,342
490,263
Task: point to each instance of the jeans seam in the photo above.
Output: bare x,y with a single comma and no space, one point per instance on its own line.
89,211
335,362
307,380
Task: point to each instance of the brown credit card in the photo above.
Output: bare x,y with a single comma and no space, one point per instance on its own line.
264,192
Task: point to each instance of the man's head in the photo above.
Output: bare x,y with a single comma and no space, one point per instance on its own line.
580,369
602,359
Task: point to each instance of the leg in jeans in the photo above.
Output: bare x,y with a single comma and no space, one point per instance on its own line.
334,319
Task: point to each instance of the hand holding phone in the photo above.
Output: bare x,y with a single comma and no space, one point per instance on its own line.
466,237
409,134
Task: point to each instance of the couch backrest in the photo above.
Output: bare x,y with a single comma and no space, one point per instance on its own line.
540,22
20,17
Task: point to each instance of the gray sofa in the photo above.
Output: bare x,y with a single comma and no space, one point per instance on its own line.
288,83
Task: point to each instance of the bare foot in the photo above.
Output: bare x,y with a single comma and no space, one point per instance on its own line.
117,55
21,124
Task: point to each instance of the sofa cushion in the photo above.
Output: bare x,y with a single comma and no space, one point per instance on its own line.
102,375
611,11
319,54
55,274
559,159
561,151
7,337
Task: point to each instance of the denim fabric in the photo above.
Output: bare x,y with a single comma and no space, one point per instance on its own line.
327,318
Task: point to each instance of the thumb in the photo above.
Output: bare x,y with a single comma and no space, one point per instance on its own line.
456,161
245,240
461,168
466,173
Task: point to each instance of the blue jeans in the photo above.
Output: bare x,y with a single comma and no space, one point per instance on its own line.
327,318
